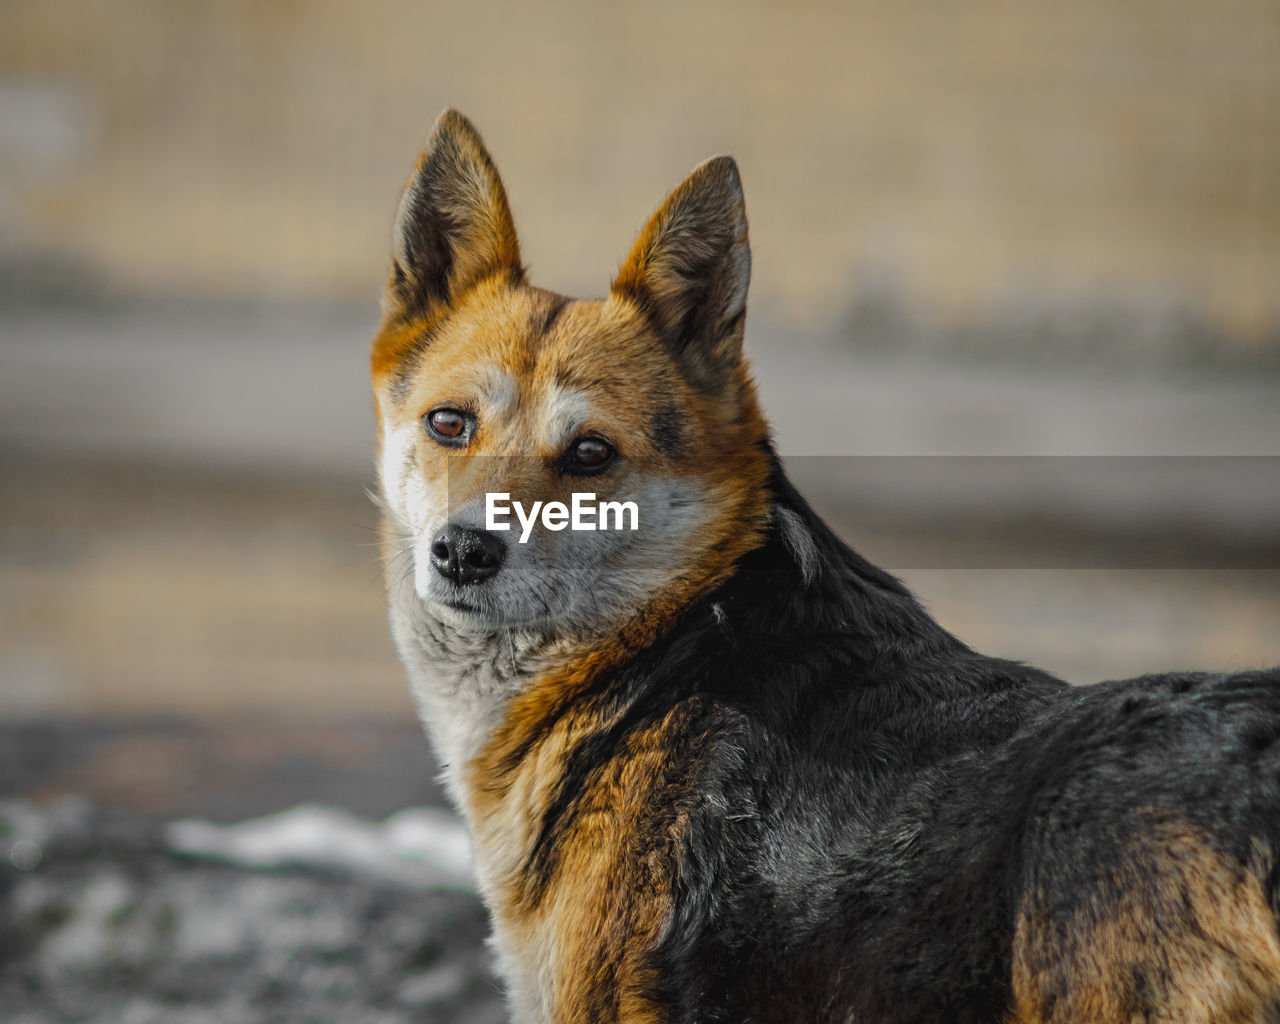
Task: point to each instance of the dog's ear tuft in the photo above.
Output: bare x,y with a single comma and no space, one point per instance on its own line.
453,228
688,272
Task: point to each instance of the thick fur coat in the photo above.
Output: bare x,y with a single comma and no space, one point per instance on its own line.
726,770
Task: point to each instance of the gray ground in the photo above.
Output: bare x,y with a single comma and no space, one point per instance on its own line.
109,926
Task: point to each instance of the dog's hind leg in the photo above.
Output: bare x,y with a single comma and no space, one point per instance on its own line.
1177,932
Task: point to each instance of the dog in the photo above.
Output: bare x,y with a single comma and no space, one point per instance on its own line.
720,768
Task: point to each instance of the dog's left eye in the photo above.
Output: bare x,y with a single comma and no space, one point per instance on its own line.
589,455
449,426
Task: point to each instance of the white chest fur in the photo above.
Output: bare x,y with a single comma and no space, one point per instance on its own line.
461,680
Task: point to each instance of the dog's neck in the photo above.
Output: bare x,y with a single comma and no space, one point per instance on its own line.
463,679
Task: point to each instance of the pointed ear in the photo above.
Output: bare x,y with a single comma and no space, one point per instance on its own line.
453,228
688,272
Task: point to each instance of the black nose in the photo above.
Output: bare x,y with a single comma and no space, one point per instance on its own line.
466,555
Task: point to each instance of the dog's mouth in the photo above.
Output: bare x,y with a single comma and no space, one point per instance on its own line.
457,599
472,615
466,611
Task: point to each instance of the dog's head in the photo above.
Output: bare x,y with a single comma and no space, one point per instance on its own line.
487,386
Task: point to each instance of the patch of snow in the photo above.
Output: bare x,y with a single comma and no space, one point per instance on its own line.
419,847
440,982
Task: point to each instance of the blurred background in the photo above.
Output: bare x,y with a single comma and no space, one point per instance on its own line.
1015,316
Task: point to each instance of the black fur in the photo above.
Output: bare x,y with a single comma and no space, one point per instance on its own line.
867,799
667,430
541,322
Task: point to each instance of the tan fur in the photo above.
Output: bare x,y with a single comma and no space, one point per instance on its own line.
595,923
601,347
1180,928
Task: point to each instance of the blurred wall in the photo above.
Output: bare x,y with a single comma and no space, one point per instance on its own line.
975,164
182,528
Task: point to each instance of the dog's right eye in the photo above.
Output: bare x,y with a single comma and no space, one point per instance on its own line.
449,426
